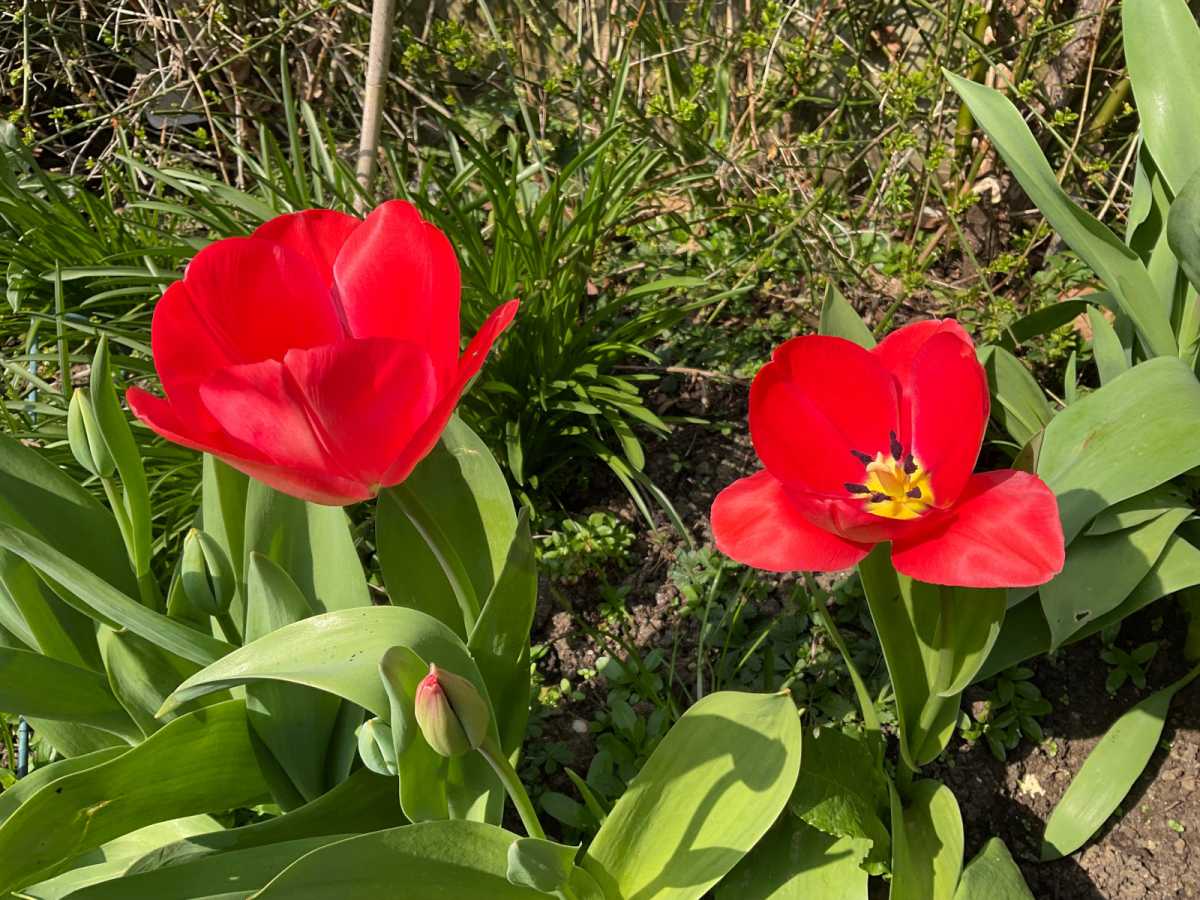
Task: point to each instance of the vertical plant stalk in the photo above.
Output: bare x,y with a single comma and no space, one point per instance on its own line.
513,787
379,53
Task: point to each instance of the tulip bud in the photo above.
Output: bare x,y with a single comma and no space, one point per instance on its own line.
450,713
83,434
206,574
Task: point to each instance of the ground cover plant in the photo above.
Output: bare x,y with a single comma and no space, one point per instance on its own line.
689,451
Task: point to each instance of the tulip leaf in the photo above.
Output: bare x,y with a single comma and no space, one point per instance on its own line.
842,792
540,864
107,604
1131,435
927,848
1101,571
1139,510
197,763
1183,233
422,771
1118,266
839,319
1041,321
1106,347
1025,633
1161,43
223,517
710,790
52,626
992,875
795,861
236,874
12,798
1020,406
451,859
141,674
41,686
1108,773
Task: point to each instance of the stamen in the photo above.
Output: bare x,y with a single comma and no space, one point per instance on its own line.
857,488
897,448
915,493
879,498
861,457
910,464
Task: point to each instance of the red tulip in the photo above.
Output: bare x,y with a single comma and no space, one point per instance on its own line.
319,355
865,446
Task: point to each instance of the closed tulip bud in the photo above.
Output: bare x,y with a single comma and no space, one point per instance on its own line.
83,434
450,713
206,574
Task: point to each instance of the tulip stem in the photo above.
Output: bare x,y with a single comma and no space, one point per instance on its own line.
512,784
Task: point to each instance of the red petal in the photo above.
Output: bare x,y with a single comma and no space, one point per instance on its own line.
317,487
897,351
397,276
816,401
1003,532
755,523
949,406
366,398
316,234
470,363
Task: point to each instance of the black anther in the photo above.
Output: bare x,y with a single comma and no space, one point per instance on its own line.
897,448
879,498
857,488
915,493
861,457
910,464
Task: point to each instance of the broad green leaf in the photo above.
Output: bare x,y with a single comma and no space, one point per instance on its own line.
795,861
709,791
1108,773
1100,572
992,875
1183,233
464,491
109,605
229,876
53,627
1161,42
1139,510
1106,347
38,498
1041,321
842,792
75,738
36,685
499,641
1020,406
223,517
1025,633
141,675
363,802
1130,436
422,771
197,763
26,787
540,864
453,860
928,857
1119,267
839,319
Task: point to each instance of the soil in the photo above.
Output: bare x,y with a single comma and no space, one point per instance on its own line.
1146,852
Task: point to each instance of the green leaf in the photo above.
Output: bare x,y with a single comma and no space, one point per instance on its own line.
1106,347
1041,321
50,625
842,792
540,864
1130,436
795,861
37,685
839,319
1119,267
109,605
992,875
423,772
1100,572
197,763
1139,510
1020,406
464,492
1109,772
709,791
928,856
223,518
1161,42
141,674
453,860
11,798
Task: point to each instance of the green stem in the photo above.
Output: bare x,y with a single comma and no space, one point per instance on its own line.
516,791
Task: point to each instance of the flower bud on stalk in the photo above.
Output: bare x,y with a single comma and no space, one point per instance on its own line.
450,713
83,434
206,575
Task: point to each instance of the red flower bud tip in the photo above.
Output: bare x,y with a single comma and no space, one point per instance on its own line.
450,713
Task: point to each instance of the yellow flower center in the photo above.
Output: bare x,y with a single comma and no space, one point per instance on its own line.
894,486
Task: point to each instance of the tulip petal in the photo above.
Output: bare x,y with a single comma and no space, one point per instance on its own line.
896,351
397,276
316,487
948,396
818,401
755,523
468,366
367,398
315,234
1003,532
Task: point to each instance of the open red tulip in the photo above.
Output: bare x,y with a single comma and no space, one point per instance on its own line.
865,446
320,354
